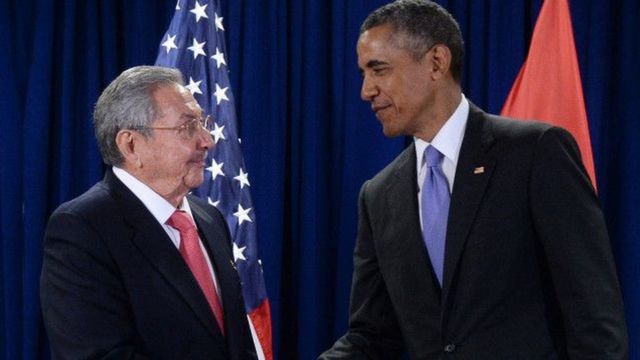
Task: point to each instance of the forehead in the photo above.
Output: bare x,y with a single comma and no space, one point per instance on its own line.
380,43
175,98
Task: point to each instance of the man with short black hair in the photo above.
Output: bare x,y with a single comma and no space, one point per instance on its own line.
484,239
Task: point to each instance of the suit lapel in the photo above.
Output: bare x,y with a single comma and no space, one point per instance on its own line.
152,241
403,227
473,171
217,241
216,238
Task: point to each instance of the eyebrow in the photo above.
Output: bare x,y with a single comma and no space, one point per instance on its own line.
374,63
190,116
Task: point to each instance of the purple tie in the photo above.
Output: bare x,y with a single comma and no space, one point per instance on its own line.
435,209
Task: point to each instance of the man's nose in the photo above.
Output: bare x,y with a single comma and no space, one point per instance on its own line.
205,139
369,90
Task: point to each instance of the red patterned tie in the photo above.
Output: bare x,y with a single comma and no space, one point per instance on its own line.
192,254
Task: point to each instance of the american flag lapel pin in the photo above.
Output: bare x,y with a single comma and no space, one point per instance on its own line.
478,170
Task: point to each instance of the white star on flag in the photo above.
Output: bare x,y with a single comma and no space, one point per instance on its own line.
217,132
215,169
170,43
178,5
238,253
242,214
219,58
199,11
194,86
242,178
211,202
221,94
218,21
197,48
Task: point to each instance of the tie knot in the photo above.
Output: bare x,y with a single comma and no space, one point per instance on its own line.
432,156
181,221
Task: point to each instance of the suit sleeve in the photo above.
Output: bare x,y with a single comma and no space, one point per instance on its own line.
84,304
572,230
373,329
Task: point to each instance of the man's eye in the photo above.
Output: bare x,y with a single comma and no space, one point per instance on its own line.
192,127
380,71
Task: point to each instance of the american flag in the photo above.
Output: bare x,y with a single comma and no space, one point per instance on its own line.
194,44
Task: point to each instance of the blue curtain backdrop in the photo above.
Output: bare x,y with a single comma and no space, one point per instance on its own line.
309,142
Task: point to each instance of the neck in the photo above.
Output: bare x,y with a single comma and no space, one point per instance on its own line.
445,103
174,195
173,199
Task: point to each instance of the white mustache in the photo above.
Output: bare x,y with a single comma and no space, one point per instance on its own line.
202,157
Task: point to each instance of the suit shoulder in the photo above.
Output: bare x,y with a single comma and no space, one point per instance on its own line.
94,212
91,222
523,134
405,161
93,202
513,128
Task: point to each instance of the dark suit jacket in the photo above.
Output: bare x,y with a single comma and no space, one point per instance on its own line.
114,286
528,270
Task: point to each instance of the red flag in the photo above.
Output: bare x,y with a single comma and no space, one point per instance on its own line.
548,87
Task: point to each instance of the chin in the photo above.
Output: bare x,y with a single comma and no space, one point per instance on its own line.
390,126
390,132
193,181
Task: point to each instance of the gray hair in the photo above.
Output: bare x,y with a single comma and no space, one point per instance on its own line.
127,103
425,24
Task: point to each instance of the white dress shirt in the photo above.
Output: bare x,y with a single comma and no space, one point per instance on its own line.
448,141
162,210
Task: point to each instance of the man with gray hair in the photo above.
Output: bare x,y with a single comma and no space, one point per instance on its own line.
484,238
135,268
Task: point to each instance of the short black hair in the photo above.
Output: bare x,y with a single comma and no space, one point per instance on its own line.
425,24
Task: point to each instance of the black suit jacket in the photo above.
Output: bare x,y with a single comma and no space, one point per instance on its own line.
528,270
114,286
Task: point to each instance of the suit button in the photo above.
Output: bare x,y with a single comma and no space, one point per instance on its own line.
449,348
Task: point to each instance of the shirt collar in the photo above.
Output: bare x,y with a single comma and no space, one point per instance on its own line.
159,207
449,139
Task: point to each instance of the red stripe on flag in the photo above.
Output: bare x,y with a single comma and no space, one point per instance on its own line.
548,87
261,320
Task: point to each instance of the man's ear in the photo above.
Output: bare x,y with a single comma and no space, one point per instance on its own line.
127,140
441,64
